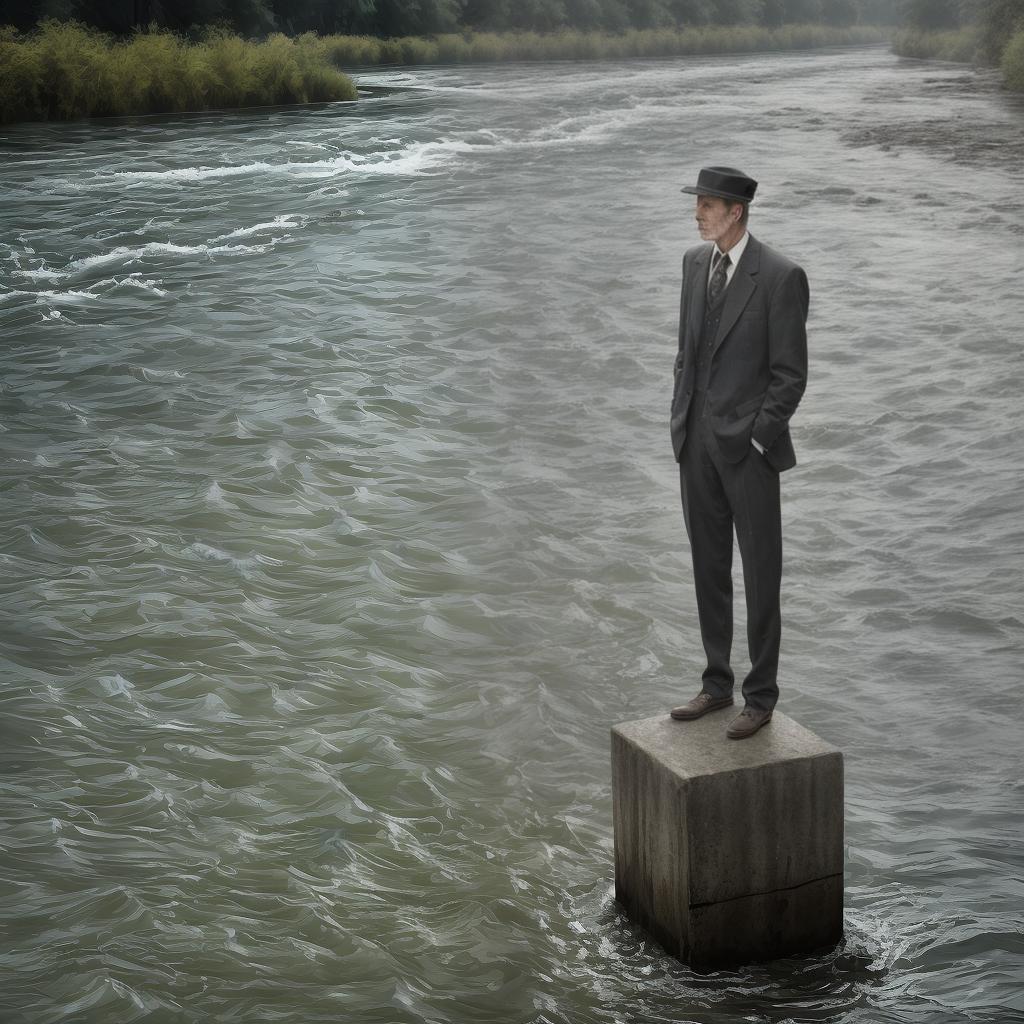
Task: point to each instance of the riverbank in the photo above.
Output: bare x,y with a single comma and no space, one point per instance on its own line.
65,70
958,45
963,45
341,522
484,47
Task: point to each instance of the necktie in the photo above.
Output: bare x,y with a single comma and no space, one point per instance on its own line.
717,284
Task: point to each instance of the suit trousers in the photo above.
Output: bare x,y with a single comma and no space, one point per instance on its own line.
718,497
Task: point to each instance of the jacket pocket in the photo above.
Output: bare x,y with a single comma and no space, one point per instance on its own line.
747,407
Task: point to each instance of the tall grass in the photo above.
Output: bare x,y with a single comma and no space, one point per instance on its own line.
64,70
963,45
1013,62
569,44
960,44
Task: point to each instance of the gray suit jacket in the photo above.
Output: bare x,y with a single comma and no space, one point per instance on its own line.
759,357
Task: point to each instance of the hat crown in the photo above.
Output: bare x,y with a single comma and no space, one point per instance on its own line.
724,182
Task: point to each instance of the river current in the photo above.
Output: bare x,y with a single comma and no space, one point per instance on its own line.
340,524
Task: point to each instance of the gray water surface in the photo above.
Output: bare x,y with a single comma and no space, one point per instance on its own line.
340,523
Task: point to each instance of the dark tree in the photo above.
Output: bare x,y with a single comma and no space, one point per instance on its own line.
932,14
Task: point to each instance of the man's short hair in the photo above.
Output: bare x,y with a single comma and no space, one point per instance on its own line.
745,214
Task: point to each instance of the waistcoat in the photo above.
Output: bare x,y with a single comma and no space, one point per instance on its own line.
705,342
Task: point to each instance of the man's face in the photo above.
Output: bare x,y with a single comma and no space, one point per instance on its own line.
716,217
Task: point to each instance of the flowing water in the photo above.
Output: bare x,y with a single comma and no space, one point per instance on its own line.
341,523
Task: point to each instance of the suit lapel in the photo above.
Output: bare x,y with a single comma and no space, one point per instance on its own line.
698,293
741,287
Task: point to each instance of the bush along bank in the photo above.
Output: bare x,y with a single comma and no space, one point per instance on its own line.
66,70
956,44
1013,62
964,45
987,32
572,44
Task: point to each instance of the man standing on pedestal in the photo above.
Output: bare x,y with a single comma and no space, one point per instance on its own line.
739,376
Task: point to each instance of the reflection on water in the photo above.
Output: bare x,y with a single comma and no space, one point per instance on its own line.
342,523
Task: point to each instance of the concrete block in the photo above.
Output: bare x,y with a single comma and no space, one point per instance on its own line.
728,851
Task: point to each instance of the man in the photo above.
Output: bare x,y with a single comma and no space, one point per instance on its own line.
739,376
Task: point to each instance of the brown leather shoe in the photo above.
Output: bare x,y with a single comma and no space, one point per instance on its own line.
700,705
747,722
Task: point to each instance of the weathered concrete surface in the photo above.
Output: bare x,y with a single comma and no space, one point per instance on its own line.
728,851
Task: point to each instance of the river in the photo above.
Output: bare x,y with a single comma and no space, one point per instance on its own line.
341,523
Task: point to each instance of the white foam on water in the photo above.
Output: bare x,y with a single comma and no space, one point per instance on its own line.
94,291
209,551
115,685
880,940
284,220
128,254
52,296
412,159
215,495
133,281
153,224
403,79
328,192
155,376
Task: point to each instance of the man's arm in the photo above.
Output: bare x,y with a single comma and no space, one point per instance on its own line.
687,259
787,356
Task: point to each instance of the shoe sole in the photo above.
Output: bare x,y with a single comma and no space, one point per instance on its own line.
690,717
750,732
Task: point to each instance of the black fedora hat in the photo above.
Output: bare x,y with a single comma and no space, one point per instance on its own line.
724,182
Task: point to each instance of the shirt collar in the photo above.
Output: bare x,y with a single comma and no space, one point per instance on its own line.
735,252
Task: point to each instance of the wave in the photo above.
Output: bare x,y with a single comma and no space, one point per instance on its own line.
108,286
128,254
415,158
412,159
70,295
284,220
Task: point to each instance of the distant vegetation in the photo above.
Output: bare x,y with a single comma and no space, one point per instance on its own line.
389,19
955,44
988,32
63,59
1013,62
68,70
63,71
571,44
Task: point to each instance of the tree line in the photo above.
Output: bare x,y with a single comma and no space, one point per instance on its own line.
987,25
981,31
394,18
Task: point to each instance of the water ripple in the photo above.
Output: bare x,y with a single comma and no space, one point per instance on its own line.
342,523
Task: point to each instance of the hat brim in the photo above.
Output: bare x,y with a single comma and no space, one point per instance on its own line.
695,191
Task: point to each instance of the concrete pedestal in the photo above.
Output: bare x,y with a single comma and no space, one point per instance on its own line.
728,851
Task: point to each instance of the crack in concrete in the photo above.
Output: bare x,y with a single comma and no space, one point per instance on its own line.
766,892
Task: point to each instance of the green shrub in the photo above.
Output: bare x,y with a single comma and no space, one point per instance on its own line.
418,51
154,73
1000,21
571,44
69,59
959,45
1013,62
488,46
21,75
452,48
353,51
64,70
